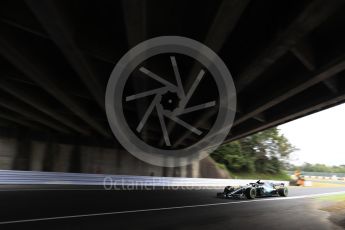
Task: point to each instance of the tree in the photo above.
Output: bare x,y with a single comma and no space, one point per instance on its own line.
264,152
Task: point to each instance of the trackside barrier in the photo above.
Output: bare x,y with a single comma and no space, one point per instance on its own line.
58,178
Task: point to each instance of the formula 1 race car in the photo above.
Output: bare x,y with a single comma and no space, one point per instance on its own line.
253,190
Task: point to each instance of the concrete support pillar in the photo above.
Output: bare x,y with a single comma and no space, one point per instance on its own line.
51,151
23,154
62,158
189,170
7,153
165,171
196,169
176,172
75,160
37,156
183,171
110,161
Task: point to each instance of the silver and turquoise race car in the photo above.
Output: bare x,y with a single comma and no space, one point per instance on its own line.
253,190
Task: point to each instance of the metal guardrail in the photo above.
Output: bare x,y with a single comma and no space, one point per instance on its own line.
59,178
321,175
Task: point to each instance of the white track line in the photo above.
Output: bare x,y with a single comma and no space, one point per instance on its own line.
168,208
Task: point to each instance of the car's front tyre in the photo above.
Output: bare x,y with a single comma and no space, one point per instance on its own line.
250,193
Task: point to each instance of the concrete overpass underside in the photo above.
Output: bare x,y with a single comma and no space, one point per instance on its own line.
287,60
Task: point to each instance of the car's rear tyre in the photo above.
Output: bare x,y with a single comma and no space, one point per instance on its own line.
228,189
283,191
250,193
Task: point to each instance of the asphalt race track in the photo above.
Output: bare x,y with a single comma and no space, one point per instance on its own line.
95,208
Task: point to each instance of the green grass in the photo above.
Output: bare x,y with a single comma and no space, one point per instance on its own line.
263,176
336,197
